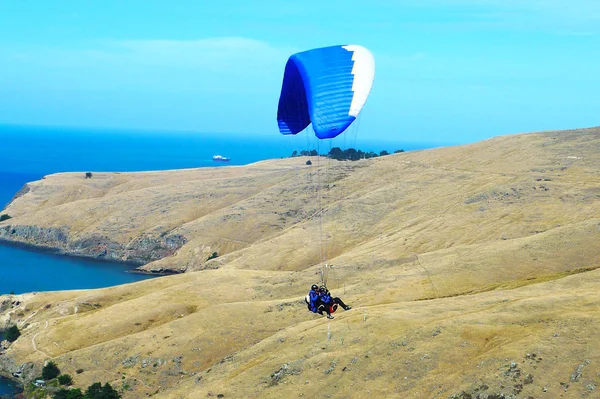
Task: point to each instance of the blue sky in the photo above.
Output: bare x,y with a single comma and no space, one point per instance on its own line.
451,71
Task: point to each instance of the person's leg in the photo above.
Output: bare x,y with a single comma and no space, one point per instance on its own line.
320,308
324,307
341,303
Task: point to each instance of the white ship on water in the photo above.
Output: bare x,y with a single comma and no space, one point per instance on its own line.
219,158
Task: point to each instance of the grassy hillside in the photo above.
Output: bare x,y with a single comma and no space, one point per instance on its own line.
470,268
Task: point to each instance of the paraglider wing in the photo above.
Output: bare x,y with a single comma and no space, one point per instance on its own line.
326,86
292,114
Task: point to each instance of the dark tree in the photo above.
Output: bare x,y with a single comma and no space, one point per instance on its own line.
336,153
93,391
398,151
352,154
295,153
109,392
12,334
88,175
311,153
50,371
383,153
213,256
4,217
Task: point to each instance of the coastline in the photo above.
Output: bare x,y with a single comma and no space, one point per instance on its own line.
7,379
48,250
136,265
143,250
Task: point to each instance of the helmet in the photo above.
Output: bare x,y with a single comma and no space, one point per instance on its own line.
314,287
322,289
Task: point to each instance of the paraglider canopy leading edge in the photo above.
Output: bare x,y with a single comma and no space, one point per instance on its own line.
327,87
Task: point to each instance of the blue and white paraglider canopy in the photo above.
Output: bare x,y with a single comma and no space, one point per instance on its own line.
326,86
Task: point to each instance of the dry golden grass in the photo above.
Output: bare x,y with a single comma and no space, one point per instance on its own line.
457,261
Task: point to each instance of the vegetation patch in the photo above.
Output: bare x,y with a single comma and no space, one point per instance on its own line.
349,154
12,334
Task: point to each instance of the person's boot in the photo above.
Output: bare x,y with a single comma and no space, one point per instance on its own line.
348,307
329,316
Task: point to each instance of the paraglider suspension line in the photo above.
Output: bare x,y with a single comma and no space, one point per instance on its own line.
428,276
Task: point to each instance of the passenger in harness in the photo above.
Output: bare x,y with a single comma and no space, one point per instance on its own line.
312,299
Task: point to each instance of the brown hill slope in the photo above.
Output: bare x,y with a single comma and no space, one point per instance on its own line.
458,261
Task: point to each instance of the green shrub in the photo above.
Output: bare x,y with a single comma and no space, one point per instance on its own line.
213,256
65,379
75,394
13,333
50,371
97,391
68,394
4,217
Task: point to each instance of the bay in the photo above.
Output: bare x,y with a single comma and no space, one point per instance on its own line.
8,387
26,269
